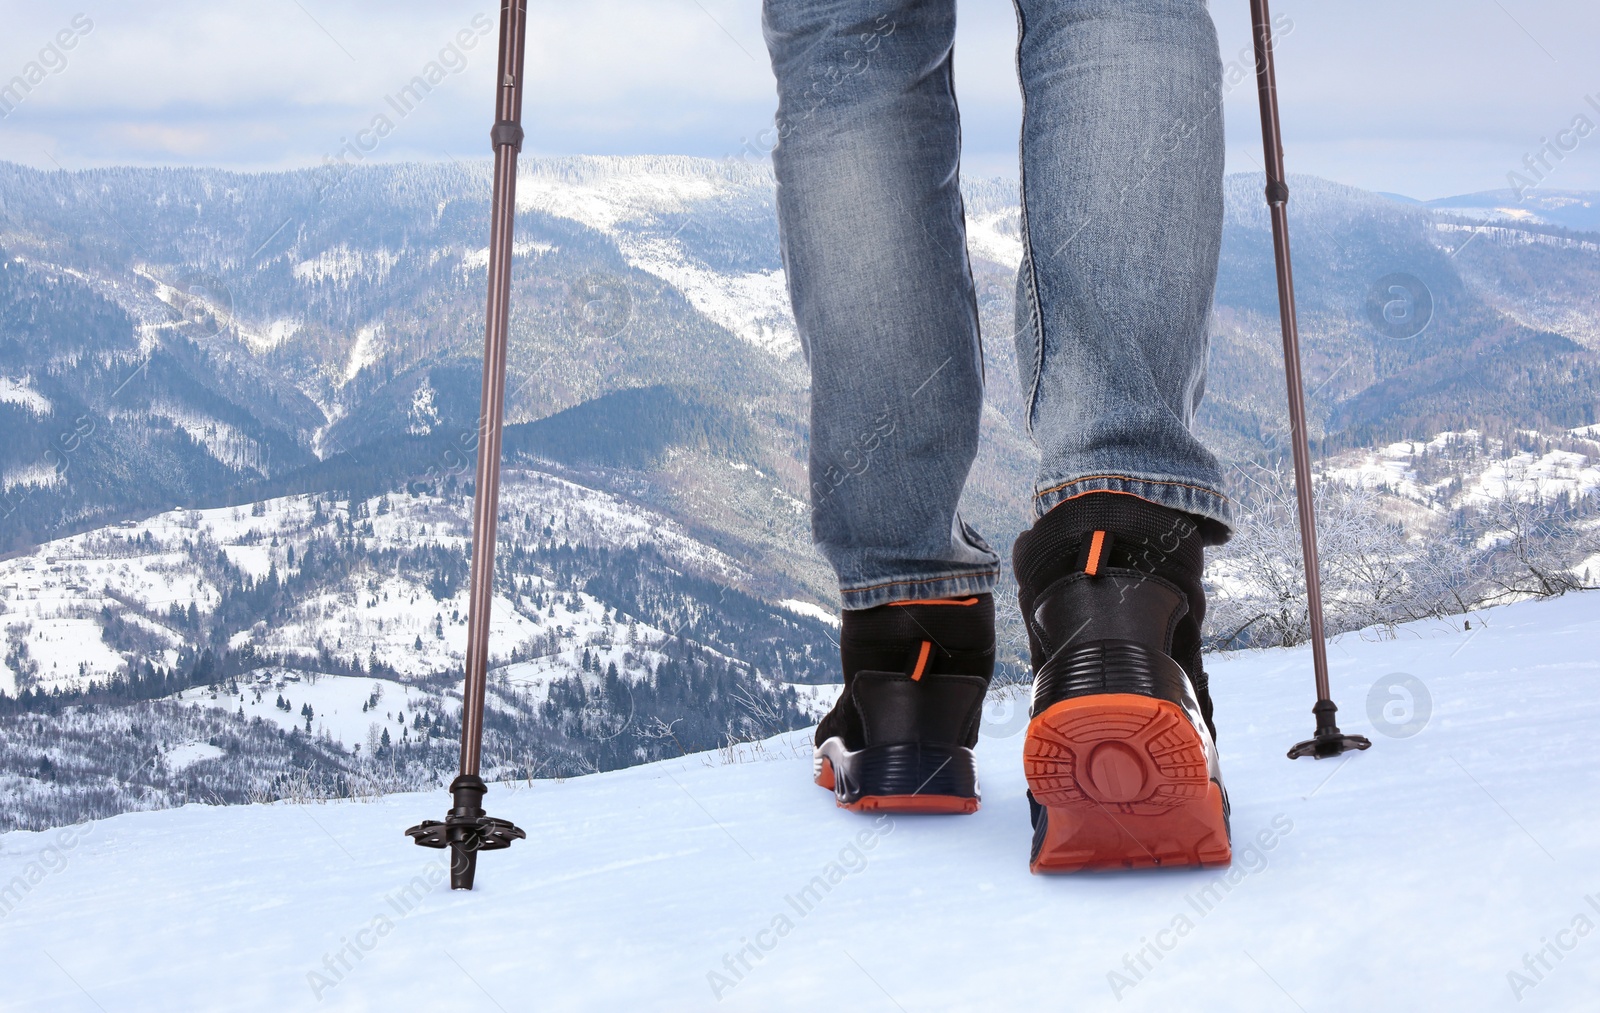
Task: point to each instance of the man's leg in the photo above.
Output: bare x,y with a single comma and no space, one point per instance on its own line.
874,244
1122,157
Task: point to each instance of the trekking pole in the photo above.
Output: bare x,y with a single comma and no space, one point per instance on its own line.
466,829
1328,740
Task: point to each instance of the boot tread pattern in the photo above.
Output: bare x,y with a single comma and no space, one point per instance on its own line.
1124,783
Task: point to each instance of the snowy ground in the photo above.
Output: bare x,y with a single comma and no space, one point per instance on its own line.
1418,875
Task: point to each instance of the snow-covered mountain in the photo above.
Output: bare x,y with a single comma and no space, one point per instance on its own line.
1532,204
707,229
1449,867
409,619
331,634
1453,470
224,337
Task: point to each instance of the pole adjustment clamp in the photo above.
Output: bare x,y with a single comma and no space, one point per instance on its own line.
506,132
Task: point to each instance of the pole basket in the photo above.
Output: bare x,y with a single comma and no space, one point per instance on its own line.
1328,740
466,830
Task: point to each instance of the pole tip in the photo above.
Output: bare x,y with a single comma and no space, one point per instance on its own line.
463,867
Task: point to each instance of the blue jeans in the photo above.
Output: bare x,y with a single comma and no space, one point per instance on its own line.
1122,161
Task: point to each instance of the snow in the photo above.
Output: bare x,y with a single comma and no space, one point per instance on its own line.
592,517
65,647
337,703
275,334
37,475
190,753
223,442
1420,874
1485,478
364,618
50,595
623,194
256,560
19,391
1510,236
282,330
363,353
342,264
424,414
816,700
1536,478
630,201
805,608
1386,467
753,304
587,632
478,260
996,236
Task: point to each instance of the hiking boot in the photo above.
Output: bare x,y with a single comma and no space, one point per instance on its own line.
1120,757
900,737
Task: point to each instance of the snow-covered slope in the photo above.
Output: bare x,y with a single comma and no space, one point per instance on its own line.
1452,866
349,711
51,598
1475,469
647,203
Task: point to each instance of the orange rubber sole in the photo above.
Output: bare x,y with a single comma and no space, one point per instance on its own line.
933,805
825,775
911,804
1125,785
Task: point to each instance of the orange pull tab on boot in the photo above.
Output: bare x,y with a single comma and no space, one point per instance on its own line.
1093,556
922,660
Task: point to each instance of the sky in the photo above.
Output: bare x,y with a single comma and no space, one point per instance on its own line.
1427,98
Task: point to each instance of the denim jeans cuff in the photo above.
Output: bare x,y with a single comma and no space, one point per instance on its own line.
947,586
1203,501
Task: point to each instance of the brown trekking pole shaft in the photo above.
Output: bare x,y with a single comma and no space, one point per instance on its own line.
466,830
1278,201
491,416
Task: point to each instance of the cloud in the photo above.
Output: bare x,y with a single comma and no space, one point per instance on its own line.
1429,98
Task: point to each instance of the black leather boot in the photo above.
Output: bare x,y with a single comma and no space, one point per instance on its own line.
900,736
1120,756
